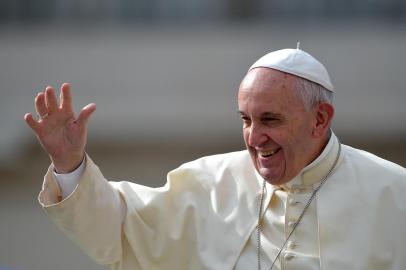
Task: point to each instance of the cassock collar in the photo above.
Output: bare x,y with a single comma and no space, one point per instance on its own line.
310,176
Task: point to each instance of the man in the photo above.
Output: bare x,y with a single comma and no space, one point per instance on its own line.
296,199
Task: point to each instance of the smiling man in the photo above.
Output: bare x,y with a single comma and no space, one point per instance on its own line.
296,199
281,134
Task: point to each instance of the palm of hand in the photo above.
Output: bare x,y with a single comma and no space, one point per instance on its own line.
61,135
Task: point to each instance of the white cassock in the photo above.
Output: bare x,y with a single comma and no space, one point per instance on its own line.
205,216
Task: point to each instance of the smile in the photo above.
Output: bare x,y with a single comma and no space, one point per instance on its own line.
268,153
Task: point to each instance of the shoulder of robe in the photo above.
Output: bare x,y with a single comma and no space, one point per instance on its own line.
213,169
213,184
217,172
374,167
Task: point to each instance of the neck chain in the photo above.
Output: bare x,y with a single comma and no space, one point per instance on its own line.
322,181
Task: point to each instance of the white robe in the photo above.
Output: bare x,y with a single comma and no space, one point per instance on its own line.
205,216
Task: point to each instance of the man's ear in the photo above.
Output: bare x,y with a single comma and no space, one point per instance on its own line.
324,113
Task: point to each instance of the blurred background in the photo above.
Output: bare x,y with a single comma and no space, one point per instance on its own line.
164,75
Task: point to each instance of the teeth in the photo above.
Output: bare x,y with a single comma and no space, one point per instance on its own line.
268,153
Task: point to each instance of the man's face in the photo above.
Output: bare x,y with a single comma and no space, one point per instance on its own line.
276,127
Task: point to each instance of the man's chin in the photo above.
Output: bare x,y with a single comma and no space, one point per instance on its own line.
270,176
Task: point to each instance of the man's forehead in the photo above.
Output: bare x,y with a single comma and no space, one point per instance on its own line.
266,77
267,91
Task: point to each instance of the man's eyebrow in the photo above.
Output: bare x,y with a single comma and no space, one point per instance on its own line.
242,114
266,115
273,115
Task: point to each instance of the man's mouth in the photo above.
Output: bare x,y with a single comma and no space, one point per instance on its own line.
268,153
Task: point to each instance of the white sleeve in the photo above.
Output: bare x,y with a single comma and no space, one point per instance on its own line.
69,181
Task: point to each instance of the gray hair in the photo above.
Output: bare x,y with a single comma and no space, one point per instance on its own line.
312,93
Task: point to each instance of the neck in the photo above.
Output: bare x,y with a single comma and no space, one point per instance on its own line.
315,170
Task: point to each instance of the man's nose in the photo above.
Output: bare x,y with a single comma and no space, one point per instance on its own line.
256,136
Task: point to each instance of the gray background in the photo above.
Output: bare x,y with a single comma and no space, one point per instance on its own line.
164,76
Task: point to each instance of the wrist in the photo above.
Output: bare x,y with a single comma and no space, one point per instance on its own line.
67,165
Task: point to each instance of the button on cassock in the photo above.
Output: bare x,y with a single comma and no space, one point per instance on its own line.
291,224
288,256
293,202
297,190
291,244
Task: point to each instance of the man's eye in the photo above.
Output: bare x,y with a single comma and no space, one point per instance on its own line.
246,120
270,120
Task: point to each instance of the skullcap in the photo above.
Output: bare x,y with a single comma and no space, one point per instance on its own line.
296,62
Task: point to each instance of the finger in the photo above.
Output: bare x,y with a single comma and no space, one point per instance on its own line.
50,100
85,114
66,97
40,106
31,122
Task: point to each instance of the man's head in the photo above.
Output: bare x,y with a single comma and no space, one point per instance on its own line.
286,121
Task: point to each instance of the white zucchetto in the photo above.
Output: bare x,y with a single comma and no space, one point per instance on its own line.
296,62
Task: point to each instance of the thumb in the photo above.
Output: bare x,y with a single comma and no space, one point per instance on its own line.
85,114
31,122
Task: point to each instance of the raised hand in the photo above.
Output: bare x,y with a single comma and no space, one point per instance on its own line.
61,134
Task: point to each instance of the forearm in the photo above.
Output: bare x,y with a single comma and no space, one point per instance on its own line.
91,216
